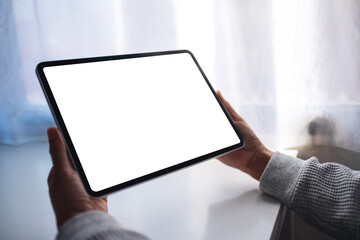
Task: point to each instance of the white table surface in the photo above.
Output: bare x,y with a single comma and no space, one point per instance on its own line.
205,201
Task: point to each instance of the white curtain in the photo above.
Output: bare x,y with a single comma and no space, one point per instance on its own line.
280,63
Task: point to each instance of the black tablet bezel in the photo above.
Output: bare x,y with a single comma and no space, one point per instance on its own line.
67,139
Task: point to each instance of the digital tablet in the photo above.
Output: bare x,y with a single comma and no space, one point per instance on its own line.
130,118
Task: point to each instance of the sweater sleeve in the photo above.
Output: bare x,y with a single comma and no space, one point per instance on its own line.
94,225
327,195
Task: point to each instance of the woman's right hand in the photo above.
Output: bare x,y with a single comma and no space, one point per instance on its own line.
254,156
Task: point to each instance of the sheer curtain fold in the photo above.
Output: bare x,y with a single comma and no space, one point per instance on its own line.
12,92
280,63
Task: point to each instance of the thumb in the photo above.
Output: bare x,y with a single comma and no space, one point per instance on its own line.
58,150
233,114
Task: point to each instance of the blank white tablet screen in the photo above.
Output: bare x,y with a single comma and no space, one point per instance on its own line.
130,117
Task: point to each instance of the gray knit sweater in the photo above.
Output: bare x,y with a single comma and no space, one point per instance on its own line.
325,195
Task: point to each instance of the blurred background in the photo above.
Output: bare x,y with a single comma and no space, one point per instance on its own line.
280,63
290,68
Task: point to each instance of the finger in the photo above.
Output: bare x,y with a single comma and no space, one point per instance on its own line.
51,176
69,160
58,150
229,108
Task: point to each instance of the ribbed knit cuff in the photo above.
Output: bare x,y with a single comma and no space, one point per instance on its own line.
95,225
280,176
